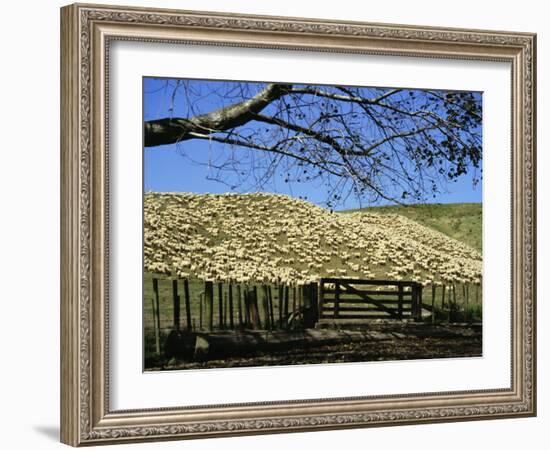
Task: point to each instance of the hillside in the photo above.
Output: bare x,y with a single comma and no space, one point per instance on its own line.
461,221
275,238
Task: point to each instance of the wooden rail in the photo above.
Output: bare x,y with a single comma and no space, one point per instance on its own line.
346,298
238,306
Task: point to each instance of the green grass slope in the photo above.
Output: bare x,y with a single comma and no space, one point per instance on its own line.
275,238
461,221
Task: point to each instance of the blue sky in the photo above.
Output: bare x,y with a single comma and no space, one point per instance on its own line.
189,165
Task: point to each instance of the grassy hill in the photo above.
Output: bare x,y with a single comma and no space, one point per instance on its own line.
461,221
275,238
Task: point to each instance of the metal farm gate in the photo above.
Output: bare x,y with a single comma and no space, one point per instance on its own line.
341,298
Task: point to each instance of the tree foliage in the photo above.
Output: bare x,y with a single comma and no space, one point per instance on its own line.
399,145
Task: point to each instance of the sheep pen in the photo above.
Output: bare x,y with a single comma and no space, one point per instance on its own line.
244,267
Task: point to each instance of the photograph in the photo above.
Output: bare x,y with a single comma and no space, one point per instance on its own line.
296,223
278,223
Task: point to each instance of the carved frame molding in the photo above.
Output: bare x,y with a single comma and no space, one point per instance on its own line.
87,31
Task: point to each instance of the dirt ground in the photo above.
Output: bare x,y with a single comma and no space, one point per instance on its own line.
392,350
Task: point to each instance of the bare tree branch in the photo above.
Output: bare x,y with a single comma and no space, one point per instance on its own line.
393,144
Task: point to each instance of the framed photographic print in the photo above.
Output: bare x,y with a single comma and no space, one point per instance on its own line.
281,224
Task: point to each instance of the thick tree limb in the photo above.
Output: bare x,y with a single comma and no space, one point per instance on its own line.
382,142
172,130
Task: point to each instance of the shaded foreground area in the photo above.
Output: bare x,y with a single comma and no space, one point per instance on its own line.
386,343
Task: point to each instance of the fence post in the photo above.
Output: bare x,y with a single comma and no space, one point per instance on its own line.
270,302
231,324
311,309
337,299
220,306
294,295
321,297
455,304
433,302
176,301
280,301
287,300
225,308
157,337
246,298
253,307
418,304
209,304
314,301
400,300
239,305
156,314
187,304
265,307
201,303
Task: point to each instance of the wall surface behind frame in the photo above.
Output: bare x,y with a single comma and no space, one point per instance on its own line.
29,222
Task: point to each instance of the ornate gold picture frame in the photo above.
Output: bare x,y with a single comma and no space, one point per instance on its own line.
87,32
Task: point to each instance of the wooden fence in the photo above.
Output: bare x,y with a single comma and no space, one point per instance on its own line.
342,299
207,306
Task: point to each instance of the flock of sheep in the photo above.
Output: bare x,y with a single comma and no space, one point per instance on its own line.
271,238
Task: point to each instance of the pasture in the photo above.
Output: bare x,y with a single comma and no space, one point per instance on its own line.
271,238
274,247
460,221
